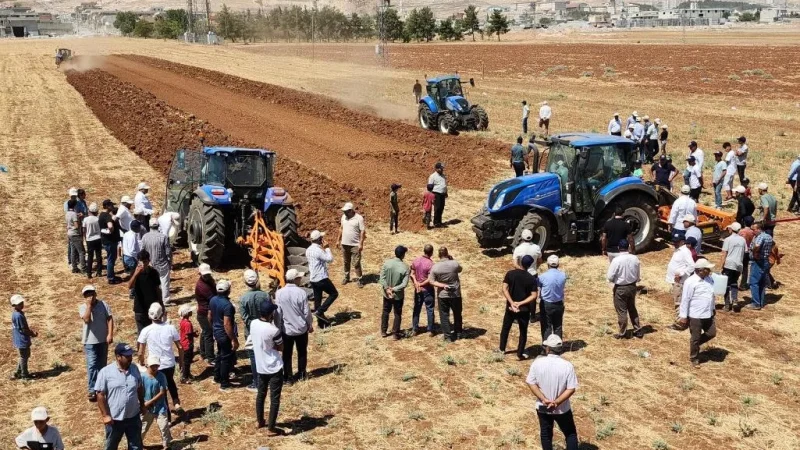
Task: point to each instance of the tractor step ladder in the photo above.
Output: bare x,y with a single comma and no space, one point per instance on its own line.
267,249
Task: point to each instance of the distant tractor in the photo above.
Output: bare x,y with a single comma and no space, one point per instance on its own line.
446,109
63,54
225,195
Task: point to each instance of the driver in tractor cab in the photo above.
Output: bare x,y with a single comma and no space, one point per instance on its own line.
59,57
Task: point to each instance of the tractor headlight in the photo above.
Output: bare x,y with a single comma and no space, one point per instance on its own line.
499,202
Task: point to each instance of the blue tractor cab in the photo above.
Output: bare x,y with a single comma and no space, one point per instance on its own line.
445,108
583,178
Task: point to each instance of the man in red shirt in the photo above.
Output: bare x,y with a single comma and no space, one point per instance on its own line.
423,291
427,205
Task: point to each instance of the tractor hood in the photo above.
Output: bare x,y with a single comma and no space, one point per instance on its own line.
457,103
540,189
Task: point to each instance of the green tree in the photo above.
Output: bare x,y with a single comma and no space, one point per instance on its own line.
367,27
471,23
229,25
125,22
143,29
426,27
392,25
179,17
747,17
446,30
498,24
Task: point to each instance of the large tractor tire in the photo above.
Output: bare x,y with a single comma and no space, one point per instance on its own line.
539,226
447,124
206,233
640,213
427,119
482,118
286,225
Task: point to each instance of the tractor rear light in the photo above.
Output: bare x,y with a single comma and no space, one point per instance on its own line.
217,191
278,192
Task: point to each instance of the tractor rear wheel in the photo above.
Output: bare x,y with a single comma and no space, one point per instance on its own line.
539,226
206,233
286,225
641,215
482,122
426,118
447,124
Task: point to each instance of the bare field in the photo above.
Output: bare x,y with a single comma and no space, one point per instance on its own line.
368,392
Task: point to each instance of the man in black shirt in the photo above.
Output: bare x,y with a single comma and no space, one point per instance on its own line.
615,230
519,290
745,206
146,286
110,238
663,172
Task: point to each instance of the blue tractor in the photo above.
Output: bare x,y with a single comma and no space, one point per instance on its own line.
446,109
586,176
219,192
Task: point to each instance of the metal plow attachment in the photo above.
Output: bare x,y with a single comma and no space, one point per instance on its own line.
267,249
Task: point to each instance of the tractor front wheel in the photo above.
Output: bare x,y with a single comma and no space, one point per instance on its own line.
482,118
426,118
447,124
539,226
286,225
206,233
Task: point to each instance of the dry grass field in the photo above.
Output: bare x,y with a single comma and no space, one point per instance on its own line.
367,392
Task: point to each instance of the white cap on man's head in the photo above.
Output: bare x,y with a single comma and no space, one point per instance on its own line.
204,269
184,310
153,360
17,299
646,117
762,186
552,341
735,227
39,413
73,192
527,235
155,312
142,185
88,288
293,274
635,114
552,261
703,263
250,277
126,200
740,189
616,114
685,189
153,222
223,286
316,234
688,218
347,207
93,207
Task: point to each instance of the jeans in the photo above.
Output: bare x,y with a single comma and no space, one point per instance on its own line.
94,251
78,253
163,426
111,259
142,320
206,338
96,359
289,342
718,195
273,382
759,276
390,304
525,125
224,361
425,297
129,263
445,306
625,305
325,285
426,219
22,365
566,423
169,374
438,208
769,229
351,254
186,364
522,319
551,316
740,170
702,331
253,372
131,428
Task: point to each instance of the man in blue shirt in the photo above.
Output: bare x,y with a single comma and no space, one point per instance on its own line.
760,249
154,384
223,325
551,293
21,335
120,398
518,158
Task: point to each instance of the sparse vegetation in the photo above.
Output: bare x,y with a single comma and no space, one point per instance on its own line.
606,430
690,68
660,444
712,419
748,400
776,378
734,77
222,424
408,376
416,415
676,427
746,429
513,371
587,74
687,384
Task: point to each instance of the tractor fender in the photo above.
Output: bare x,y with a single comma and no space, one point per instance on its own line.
623,189
276,196
431,104
548,215
213,195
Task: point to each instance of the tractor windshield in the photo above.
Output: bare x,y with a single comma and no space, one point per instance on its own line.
235,170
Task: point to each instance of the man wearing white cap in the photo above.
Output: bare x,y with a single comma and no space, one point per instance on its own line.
615,126
690,225
168,224
295,322
21,335
552,380
221,314
527,247
72,195
157,339
769,209
97,334
697,308
353,233
157,245
94,247
545,112
75,238
682,206
41,432
124,213
663,138
319,256
249,308
142,206
734,248
744,206
631,119
650,140
551,298
439,182
638,136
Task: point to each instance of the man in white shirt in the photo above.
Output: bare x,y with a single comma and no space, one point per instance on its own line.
651,139
168,224
439,182
682,206
318,255
552,380
158,339
615,126
527,247
40,432
624,273
526,111
267,347
689,223
631,119
734,248
124,213
741,157
545,112
638,136
695,178
353,233
131,246
142,207
730,170
680,267
697,308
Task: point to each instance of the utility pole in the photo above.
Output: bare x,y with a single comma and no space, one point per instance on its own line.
208,15
313,30
380,49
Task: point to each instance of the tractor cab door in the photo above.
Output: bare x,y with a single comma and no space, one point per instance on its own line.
184,176
598,166
561,161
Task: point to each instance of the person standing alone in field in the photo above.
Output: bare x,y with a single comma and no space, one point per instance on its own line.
428,199
353,233
545,112
439,182
21,335
519,293
624,273
417,90
517,161
526,111
394,209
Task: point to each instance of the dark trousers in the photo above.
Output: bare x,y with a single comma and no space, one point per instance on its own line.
616,133
111,259
522,319
326,286
22,365
695,193
393,221
740,170
519,168
566,423
224,361
142,320
289,342
625,305
794,203
732,292
253,371
130,428
445,306
390,304
438,208
273,382
769,229
206,338
144,220
702,331
745,270
426,219
94,250
551,316
186,364
525,125
77,252
426,298
169,374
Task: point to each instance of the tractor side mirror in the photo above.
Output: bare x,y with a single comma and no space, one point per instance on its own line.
472,82
181,159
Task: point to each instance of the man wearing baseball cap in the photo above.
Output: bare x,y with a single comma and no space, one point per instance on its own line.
744,206
21,335
157,245
296,322
124,215
769,208
142,206
223,323
734,248
41,432
94,246
75,238
318,255
353,233
527,247
120,398
204,289
439,182
697,308
393,282
97,334
158,339
695,177
267,345
680,267
110,238
682,206
551,298
249,304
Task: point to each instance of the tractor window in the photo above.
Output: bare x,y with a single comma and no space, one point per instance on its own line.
599,166
214,170
246,170
560,162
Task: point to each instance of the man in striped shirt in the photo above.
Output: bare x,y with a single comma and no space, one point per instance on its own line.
759,266
319,256
157,245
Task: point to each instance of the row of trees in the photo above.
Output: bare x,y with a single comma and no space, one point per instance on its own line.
326,24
